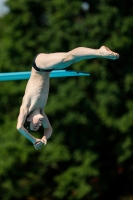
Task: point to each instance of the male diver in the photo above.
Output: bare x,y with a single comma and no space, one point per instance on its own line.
32,115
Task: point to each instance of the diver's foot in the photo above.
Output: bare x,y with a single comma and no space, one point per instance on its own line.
105,52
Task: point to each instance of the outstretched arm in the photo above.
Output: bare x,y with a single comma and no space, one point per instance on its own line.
21,119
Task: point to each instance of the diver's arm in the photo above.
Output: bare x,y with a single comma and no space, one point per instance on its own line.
21,119
47,126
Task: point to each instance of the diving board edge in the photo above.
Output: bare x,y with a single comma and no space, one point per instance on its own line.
10,76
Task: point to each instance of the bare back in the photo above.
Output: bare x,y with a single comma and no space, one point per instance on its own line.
37,89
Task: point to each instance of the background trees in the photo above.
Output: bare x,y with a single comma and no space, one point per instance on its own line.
89,155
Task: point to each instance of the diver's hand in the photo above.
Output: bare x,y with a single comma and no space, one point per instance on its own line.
38,144
44,140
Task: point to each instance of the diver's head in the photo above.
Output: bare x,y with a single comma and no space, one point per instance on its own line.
33,122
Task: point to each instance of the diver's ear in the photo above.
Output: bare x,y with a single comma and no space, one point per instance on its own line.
28,119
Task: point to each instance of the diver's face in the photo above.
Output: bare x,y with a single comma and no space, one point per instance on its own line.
35,124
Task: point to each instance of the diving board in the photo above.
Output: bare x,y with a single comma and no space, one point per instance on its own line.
10,76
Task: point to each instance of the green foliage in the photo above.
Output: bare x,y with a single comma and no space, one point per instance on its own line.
75,179
89,155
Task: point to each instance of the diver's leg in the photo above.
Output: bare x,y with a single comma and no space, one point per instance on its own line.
65,59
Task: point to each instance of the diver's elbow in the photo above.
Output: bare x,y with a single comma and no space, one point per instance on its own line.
19,127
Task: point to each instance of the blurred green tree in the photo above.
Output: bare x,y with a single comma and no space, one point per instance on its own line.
90,153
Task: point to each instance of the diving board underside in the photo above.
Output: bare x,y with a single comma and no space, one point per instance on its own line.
26,75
